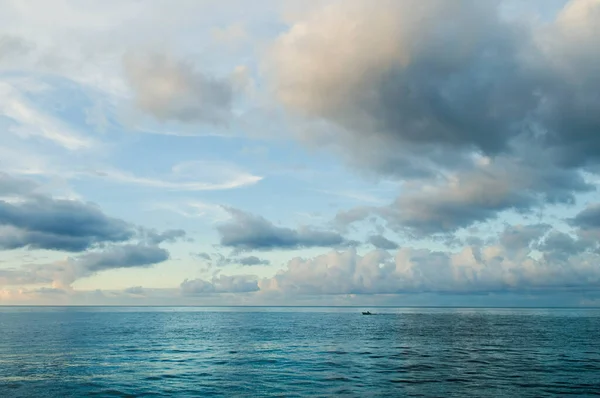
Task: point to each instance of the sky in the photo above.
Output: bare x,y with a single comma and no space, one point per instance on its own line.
201,152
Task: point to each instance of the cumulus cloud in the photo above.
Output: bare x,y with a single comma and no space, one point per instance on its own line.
560,246
406,78
482,113
32,219
480,195
220,284
122,256
589,218
381,242
61,274
40,222
504,266
174,90
436,80
246,231
460,199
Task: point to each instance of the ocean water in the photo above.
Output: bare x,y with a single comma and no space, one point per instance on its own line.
253,352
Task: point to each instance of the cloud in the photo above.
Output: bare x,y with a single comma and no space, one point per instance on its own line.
122,256
20,277
12,47
40,222
14,187
559,246
233,34
504,266
589,218
202,256
520,237
250,232
407,78
220,284
187,176
194,209
61,274
30,219
381,242
460,199
175,90
28,120
252,260
135,290
156,238
480,113
220,260
444,79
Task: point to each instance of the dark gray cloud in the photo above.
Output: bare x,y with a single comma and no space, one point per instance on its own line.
122,256
34,220
220,260
559,246
443,206
44,223
169,236
250,232
589,218
345,218
520,237
381,242
220,284
446,79
174,90
202,256
252,260
429,90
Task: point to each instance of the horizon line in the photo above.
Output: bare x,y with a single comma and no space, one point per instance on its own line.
295,306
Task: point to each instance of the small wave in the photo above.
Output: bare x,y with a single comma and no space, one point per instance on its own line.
416,381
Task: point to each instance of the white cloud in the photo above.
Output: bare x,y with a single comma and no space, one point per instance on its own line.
31,121
194,209
188,176
506,266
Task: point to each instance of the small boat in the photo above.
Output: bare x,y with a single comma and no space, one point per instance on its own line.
367,313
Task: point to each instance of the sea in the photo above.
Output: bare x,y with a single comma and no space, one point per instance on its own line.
298,352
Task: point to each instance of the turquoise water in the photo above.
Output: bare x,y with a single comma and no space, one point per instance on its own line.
185,352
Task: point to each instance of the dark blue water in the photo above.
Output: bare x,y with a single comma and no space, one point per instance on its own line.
73,352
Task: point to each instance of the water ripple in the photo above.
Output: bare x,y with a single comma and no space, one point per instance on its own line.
182,352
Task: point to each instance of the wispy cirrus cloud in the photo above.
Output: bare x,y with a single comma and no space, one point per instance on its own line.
190,176
193,209
187,176
28,120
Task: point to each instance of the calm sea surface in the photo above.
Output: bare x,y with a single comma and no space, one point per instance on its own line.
186,352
